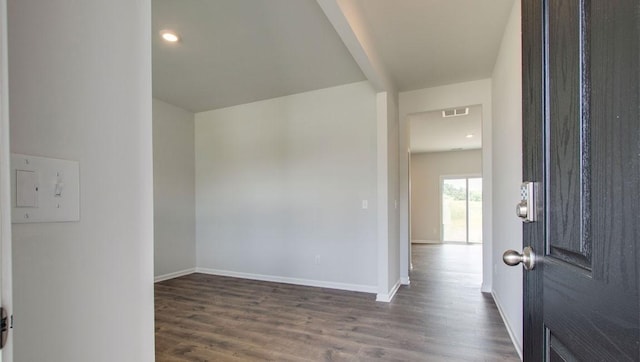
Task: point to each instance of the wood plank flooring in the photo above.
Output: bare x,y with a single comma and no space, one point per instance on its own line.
441,316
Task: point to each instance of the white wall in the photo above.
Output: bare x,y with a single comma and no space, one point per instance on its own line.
388,190
426,169
173,190
429,99
80,89
394,192
507,174
280,182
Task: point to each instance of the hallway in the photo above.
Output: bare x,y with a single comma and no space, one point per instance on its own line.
442,316
445,296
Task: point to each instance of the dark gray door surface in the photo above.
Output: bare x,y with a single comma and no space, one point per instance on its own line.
581,143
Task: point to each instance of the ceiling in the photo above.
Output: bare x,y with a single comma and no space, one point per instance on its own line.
427,43
239,51
430,132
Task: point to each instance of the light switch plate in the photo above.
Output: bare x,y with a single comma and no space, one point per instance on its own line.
57,189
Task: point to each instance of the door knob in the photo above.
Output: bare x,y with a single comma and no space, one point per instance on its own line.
527,258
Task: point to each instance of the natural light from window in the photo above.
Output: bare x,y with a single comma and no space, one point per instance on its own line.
461,209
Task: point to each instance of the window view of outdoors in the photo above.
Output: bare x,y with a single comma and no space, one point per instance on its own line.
454,210
475,210
462,210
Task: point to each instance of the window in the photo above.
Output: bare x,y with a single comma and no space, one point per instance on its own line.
461,209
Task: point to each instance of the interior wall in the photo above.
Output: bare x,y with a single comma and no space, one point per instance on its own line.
80,89
394,192
426,170
280,186
507,161
388,215
469,93
173,190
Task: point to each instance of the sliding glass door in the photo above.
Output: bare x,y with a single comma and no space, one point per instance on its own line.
461,209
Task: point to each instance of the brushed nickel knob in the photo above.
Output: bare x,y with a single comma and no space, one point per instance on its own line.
522,210
527,258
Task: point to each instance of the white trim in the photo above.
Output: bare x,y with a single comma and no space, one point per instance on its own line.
381,297
287,280
405,281
426,242
6,276
510,330
485,288
173,275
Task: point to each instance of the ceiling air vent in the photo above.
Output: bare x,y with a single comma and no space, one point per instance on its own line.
455,112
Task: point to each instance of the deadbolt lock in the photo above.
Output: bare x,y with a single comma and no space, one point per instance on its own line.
526,208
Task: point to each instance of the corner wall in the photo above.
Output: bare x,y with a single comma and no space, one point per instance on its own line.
80,89
174,217
388,190
394,194
280,185
507,171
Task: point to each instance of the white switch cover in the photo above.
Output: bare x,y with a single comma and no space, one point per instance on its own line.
26,188
44,189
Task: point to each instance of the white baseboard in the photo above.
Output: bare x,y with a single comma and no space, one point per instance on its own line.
381,297
486,288
510,330
405,281
287,280
426,242
179,273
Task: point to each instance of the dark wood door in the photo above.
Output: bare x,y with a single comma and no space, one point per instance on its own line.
581,137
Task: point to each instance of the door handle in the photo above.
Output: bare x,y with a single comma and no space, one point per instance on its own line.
527,258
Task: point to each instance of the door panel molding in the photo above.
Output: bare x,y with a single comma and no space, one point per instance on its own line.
567,82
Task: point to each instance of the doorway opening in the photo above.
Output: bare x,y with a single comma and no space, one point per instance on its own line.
461,209
445,176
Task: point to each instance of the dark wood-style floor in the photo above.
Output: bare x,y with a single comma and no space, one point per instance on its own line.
441,316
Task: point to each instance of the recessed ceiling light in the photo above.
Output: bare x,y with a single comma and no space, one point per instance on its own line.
170,36
469,135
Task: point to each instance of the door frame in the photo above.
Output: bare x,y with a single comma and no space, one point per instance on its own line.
470,93
6,354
